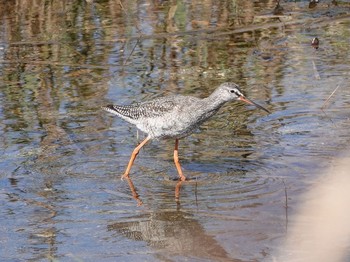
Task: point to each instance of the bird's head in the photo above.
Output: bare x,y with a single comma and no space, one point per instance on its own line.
230,91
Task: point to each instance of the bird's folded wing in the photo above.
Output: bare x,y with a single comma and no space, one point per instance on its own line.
149,109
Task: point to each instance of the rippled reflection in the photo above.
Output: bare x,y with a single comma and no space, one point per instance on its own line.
176,233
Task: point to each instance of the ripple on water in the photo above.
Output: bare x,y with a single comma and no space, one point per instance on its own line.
239,187
221,191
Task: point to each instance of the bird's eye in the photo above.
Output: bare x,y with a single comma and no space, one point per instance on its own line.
233,91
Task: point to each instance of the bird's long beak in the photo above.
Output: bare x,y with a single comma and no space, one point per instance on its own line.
248,101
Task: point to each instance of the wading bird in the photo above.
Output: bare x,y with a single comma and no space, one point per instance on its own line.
175,116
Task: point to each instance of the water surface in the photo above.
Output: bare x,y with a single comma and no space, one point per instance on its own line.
62,156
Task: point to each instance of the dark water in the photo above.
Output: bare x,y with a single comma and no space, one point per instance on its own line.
61,157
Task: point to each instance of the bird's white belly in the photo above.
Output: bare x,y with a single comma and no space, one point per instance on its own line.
166,127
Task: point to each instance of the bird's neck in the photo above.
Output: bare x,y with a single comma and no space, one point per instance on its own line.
214,101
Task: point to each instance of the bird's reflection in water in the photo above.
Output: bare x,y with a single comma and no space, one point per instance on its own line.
173,233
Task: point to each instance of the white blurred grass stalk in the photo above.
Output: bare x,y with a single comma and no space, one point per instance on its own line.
320,232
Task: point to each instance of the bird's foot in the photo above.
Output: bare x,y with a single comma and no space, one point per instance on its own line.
182,178
126,176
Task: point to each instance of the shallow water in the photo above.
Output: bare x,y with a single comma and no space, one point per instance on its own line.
62,157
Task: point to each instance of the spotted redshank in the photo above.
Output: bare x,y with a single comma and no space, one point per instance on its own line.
175,116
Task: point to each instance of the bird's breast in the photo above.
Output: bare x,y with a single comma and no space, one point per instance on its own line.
175,124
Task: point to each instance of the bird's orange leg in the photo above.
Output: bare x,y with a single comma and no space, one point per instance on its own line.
176,160
133,156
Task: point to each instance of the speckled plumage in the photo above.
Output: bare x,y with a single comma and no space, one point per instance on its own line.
174,116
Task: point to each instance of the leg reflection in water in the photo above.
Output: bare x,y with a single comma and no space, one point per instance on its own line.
133,191
177,192
136,196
